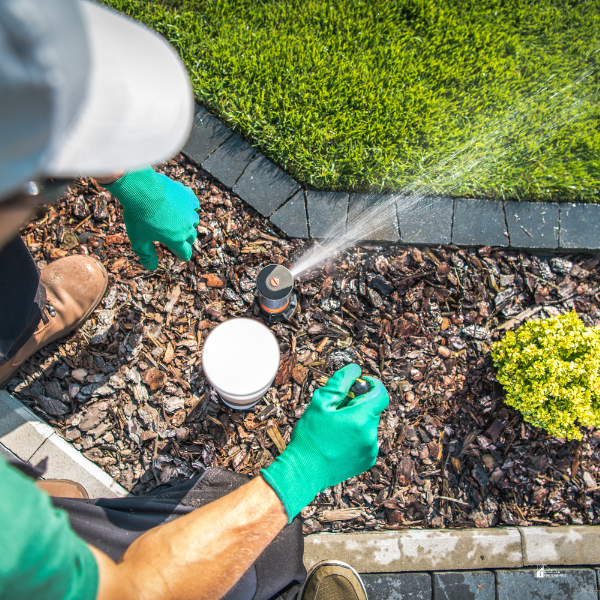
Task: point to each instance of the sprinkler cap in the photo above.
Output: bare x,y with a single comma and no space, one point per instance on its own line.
275,282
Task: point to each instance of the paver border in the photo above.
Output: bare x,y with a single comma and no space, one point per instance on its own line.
215,147
414,550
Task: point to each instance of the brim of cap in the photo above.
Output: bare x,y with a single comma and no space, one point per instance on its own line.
138,107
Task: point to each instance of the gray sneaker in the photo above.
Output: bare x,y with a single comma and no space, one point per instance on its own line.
333,580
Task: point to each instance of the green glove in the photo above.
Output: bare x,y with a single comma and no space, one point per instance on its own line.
333,441
156,209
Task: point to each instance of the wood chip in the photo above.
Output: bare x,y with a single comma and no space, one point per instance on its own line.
275,436
422,320
172,299
348,514
170,352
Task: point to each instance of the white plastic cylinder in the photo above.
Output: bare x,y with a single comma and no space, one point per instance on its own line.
240,359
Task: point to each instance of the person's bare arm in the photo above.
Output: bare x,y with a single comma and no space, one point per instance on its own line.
199,556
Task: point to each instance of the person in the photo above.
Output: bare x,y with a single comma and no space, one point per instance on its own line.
37,308
84,90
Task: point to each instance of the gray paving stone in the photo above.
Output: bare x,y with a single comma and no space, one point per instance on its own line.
412,550
208,133
4,451
374,217
465,585
327,213
265,186
228,162
21,431
65,462
398,586
479,223
291,217
580,226
566,545
532,224
425,220
562,584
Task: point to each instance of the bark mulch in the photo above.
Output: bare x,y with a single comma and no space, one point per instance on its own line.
127,389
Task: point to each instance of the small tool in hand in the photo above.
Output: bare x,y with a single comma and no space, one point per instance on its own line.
359,387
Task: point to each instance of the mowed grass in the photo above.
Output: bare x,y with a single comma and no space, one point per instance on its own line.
484,98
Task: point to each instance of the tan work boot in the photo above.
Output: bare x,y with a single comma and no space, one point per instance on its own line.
333,580
74,287
62,488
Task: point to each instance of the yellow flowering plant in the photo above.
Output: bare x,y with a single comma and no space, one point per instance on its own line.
550,371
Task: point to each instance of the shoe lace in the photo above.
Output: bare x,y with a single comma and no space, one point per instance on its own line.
47,312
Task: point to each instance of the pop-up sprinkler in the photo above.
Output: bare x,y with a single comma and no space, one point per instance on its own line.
276,298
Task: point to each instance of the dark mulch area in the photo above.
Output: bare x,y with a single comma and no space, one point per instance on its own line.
128,390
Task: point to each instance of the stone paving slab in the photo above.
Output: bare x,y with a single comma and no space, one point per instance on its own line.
291,217
24,435
208,133
464,585
265,186
567,545
425,220
4,451
65,462
398,586
479,223
419,549
580,226
21,431
327,213
228,162
533,224
363,207
563,584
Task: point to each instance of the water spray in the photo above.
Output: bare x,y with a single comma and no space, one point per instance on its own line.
276,298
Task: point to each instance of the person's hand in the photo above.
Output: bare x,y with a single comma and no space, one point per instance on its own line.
156,209
333,440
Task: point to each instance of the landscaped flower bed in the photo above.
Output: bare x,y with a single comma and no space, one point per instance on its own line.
127,389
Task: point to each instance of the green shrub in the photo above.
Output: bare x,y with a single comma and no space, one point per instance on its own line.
550,370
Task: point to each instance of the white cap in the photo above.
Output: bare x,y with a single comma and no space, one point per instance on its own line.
85,90
240,359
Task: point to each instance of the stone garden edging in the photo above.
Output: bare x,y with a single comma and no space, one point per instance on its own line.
306,214
457,549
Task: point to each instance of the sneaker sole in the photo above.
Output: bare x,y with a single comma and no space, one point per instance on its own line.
337,563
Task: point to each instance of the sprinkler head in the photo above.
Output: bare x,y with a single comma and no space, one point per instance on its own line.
275,294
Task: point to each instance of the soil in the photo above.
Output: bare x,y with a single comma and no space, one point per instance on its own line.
127,389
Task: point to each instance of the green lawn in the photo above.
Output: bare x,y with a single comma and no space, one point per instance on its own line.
478,97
